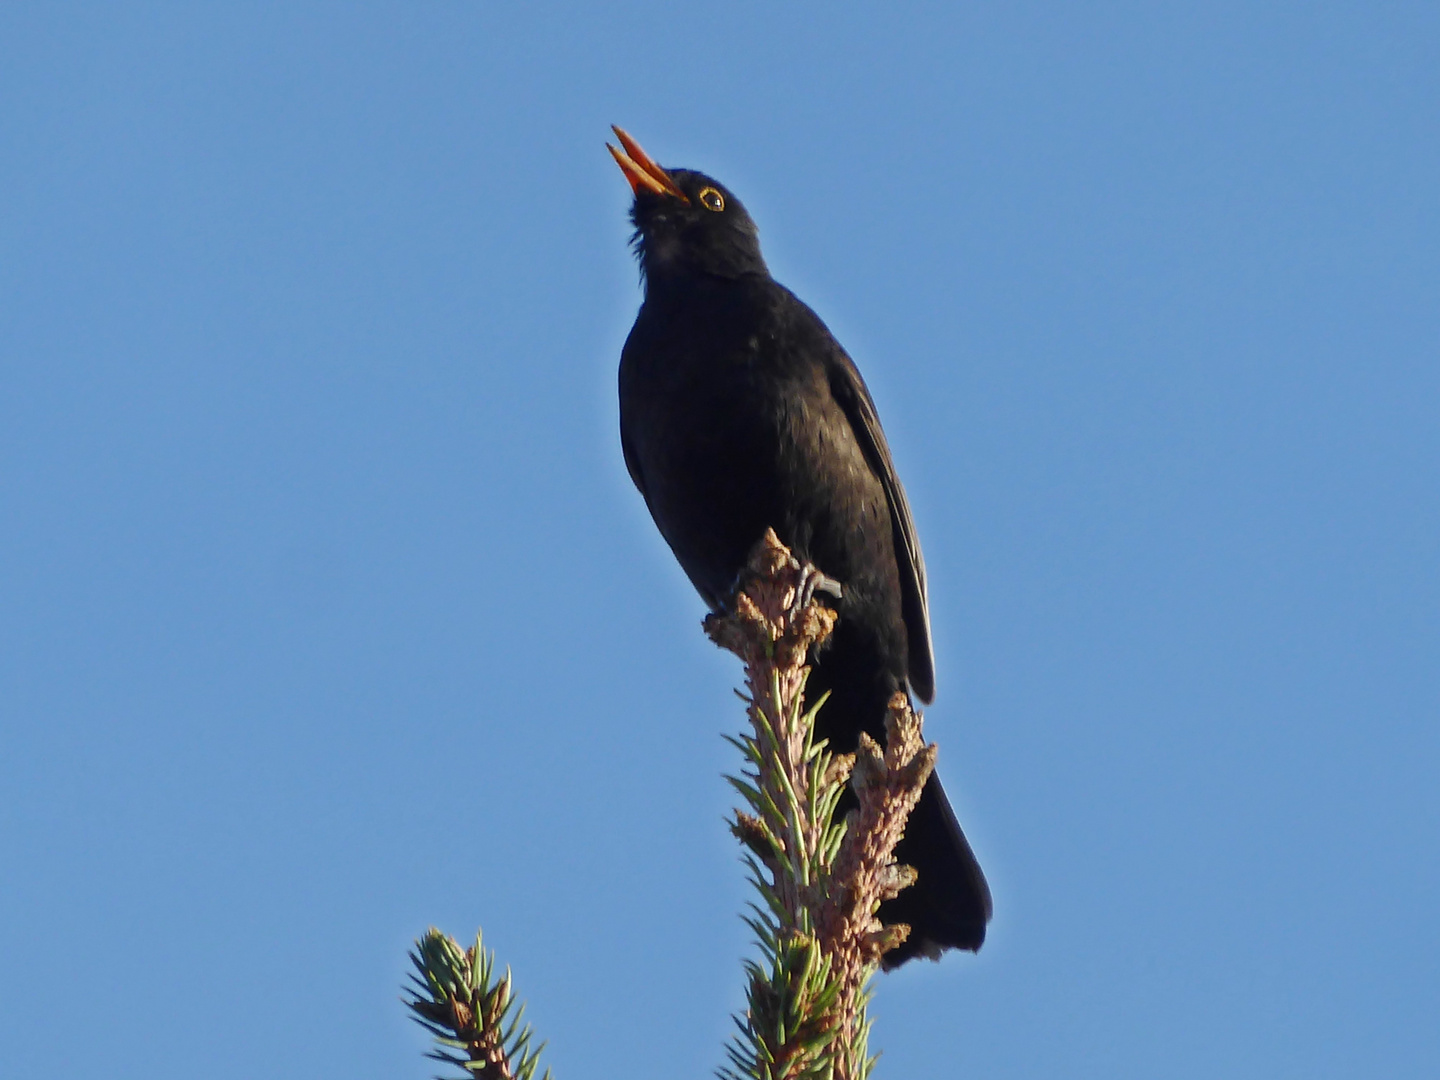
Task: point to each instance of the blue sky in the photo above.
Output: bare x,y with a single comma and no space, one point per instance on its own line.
327,611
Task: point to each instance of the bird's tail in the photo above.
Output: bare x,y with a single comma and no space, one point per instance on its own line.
948,906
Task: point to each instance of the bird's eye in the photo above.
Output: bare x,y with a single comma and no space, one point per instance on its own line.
711,199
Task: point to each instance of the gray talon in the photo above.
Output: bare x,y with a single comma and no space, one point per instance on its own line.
811,582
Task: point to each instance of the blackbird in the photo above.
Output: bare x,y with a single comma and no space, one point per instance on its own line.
740,411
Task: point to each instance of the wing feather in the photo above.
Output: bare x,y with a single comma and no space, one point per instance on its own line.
850,392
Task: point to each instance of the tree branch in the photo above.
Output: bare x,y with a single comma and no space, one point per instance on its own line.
455,996
822,882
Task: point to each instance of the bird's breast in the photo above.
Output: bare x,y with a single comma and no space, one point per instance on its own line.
732,429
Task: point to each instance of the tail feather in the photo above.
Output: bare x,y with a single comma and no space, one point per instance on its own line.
949,905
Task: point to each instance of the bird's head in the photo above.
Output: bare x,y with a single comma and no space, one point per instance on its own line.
685,222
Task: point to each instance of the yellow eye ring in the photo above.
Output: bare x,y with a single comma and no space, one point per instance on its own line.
711,199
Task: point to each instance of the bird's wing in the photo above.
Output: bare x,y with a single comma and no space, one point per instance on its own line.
850,392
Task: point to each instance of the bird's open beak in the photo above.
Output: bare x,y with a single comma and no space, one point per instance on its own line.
640,168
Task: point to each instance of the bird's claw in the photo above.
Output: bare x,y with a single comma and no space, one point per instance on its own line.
812,581
807,581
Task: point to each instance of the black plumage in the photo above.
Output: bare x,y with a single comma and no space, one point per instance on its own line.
740,411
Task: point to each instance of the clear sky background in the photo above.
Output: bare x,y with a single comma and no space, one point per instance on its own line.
327,610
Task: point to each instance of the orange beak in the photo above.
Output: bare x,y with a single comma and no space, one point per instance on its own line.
640,168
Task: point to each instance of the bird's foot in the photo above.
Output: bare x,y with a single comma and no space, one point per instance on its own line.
812,581
772,599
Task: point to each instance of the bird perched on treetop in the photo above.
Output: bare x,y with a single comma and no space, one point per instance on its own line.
739,411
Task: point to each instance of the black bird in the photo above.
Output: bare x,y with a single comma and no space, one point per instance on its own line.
740,411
